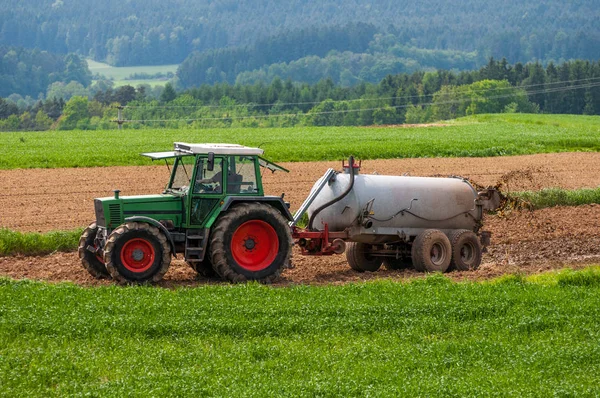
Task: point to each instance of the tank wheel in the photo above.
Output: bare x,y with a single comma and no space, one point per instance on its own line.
358,258
203,268
93,263
466,250
252,241
397,263
431,251
137,252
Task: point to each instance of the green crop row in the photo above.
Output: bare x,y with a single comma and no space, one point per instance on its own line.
34,244
551,197
427,337
483,135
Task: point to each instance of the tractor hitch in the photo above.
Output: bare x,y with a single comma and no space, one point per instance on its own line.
320,243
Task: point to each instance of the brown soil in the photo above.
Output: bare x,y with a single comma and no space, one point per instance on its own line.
524,242
49,199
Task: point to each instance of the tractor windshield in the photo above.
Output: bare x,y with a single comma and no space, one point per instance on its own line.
182,174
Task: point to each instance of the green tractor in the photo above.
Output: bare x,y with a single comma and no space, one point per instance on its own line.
213,212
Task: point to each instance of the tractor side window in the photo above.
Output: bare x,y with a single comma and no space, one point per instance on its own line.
209,181
241,176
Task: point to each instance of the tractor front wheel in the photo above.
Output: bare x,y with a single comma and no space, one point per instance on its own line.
137,252
92,262
252,241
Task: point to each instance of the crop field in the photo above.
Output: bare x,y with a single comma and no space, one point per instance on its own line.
486,135
524,323
512,337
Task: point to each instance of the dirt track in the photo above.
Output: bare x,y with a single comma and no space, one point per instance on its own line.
42,200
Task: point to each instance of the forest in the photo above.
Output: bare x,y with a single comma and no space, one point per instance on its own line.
154,32
30,72
568,88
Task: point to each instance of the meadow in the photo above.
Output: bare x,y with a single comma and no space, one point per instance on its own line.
516,336
475,136
119,74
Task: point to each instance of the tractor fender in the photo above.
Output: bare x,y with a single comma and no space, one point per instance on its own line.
158,225
275,201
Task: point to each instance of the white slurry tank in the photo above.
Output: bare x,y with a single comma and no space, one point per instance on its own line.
430,223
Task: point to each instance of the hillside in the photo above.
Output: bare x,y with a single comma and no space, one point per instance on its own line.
166,31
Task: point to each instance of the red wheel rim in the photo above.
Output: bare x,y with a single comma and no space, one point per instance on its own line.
254,245
137,255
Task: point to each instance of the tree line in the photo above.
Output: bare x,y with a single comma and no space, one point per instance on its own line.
402,98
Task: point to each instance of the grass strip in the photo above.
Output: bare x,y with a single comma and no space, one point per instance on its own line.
36,244
475,136
551,197
427,337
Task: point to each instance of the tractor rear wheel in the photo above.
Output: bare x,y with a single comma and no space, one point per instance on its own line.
137,252
251,241
431,251
92,262
466,250
359,258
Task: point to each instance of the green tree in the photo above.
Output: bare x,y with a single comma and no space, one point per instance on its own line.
75,114
168,94
42,121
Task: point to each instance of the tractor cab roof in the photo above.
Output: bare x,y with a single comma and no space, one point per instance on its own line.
185,149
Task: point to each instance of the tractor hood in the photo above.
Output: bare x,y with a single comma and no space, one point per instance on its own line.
113,211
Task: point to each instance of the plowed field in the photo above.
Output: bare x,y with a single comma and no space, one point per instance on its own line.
46,199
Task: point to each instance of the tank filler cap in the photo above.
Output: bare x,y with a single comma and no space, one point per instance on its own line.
355,165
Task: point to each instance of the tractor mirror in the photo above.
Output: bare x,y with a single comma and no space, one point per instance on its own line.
211,161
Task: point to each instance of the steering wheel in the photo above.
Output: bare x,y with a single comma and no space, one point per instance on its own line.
210,187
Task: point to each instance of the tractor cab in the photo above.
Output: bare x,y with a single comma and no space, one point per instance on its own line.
204,175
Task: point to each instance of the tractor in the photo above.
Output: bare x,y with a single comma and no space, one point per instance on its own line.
213,212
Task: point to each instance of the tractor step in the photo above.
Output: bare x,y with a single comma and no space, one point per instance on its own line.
195,245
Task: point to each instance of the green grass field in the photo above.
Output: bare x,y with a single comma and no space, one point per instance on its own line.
551,197
484,135
429,337
118,74
135,83
34,244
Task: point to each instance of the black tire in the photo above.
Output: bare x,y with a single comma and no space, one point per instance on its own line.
359,260
397,263
466,250
131,240
89,260
431,251
251,241
203,268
